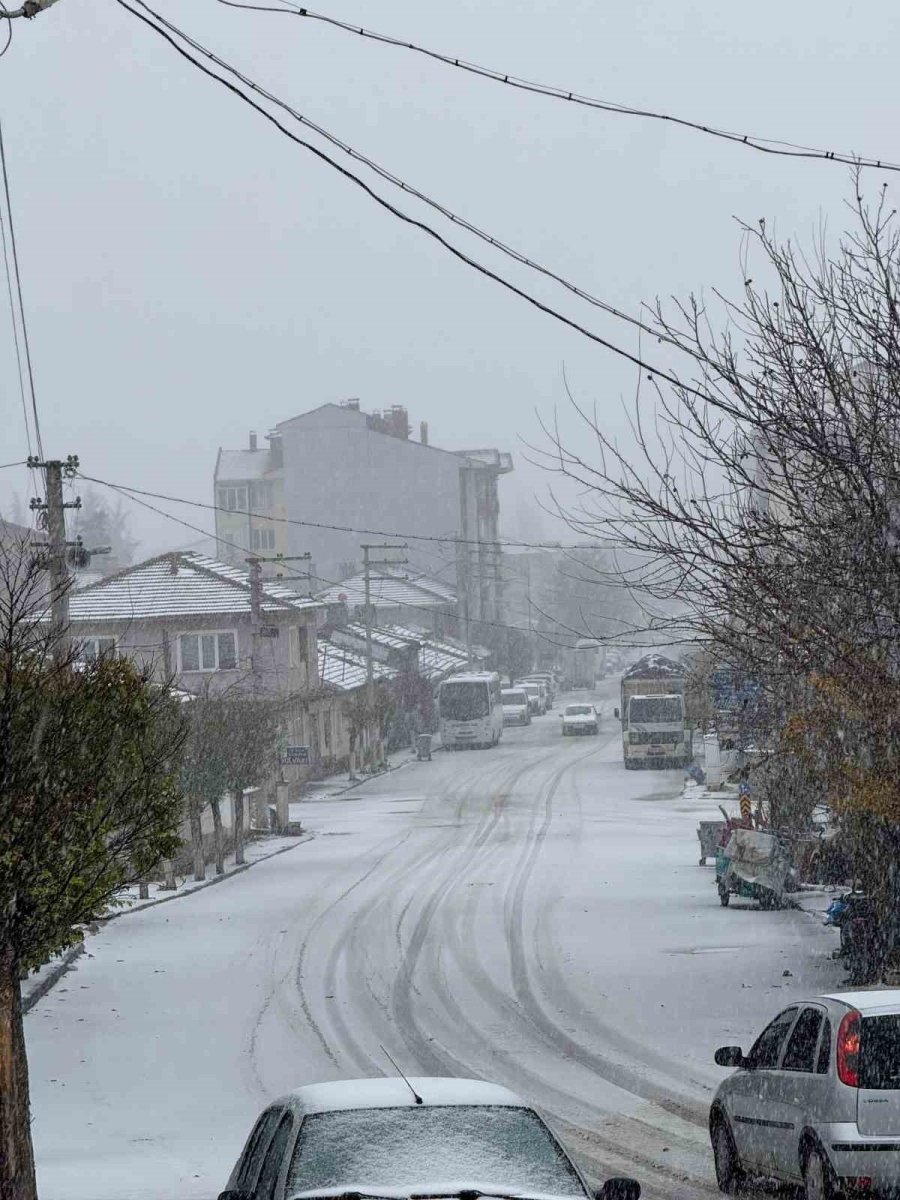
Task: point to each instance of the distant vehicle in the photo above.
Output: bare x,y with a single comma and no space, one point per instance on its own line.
817,1099
516,709
537,697
579,718
393,1138
469,710
586,659
654,732
547,680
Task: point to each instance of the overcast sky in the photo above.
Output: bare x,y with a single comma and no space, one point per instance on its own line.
189,274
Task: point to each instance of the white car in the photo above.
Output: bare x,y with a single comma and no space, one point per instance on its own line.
516,708
395,1138
579,718
816,1101
536,696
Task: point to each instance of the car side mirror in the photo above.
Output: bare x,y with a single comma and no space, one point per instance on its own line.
620,1188
615,712
729,1056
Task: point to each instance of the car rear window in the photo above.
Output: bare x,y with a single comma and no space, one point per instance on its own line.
440,1147
578,710
879,1060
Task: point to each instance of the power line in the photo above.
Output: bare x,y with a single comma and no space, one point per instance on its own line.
404,186
5,466
451,540
15,259
764,145
428,230
330,582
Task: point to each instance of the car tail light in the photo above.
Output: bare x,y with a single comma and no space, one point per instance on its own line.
848,1049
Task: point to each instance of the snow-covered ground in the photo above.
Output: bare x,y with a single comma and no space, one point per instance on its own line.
531,914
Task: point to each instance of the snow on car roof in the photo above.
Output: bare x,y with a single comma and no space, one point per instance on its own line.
393,1093
869,1001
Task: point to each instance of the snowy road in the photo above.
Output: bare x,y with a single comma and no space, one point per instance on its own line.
532,915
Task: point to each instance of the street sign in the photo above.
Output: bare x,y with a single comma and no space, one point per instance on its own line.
295,756
268,631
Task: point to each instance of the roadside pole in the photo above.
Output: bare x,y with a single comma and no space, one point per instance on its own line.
368,564
57,558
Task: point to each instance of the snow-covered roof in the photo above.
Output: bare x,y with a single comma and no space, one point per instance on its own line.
180,584
652,666
389,590
436,658
346,1094
237,466
345,669
877,1000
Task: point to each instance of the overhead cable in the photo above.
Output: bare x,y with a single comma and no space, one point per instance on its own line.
387,533
331,583
410,190
764,145
428,230
18,283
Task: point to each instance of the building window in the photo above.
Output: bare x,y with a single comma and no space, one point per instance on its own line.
261,496
233,499
262,539
97,647
207,651
298,646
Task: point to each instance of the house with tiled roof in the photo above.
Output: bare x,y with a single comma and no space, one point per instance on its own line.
191,619
396,598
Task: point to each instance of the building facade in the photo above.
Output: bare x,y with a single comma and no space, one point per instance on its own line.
343,471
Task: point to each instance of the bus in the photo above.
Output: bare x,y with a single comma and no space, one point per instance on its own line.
470,710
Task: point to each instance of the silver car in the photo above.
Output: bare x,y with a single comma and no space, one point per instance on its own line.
817,1099
398,1138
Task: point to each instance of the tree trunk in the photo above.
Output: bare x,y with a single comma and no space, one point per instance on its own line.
168,875
197,843
17,1181
217,834
239,826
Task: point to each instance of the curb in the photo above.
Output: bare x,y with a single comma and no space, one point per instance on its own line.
349,787
71,956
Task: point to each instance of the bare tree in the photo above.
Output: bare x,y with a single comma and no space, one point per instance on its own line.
760,511
204,775
250,725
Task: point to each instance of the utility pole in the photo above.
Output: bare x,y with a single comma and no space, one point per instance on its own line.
368,564
57,558
255,571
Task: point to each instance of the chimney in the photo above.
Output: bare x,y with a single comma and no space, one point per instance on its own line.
353,405
252,439
423,432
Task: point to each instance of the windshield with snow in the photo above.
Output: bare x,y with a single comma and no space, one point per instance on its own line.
435,1148
655,709
464,701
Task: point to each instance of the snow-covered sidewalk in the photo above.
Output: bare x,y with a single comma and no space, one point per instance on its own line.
129,900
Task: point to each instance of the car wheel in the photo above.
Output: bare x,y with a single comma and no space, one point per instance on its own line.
729,1173
819,1182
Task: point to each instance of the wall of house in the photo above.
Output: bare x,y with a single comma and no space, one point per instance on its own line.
283,669
339,472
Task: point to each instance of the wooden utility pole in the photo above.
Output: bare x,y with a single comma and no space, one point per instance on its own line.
368,564
57,556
